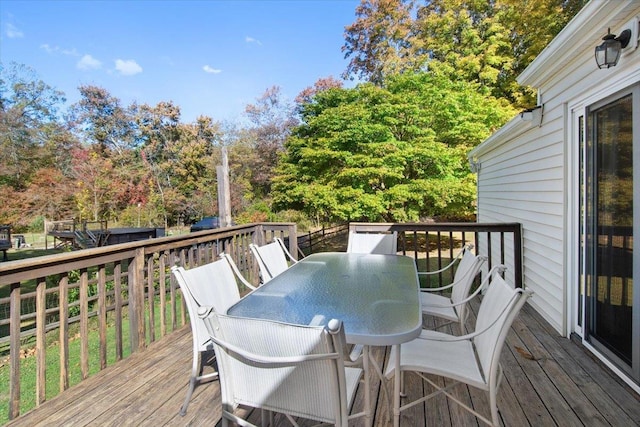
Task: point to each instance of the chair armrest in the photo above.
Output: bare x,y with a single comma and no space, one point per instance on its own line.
239,275
439,336
496,269
355,355
466,247
439,289
286,251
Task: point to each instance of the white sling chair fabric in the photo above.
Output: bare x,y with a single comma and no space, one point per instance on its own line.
273,258
472,359
453,307
291,369
212,285
373,243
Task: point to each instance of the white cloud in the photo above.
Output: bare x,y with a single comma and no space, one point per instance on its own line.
211,70
88,62
128,67
70,52
48,48
13,32
252,40
56,49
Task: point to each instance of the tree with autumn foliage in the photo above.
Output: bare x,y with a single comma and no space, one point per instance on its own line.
486,42
35,177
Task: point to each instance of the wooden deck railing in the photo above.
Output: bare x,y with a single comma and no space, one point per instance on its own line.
95,296
433,245
103,304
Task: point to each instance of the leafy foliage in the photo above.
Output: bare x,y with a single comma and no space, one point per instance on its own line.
390,153
487,42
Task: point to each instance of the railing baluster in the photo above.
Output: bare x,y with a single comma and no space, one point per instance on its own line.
63,307
41,342
84,323
117,286
14,350
102,314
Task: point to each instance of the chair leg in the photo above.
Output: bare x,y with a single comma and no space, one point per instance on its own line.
192,382
185,405
493,401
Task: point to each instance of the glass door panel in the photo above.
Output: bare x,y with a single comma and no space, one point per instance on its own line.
609,211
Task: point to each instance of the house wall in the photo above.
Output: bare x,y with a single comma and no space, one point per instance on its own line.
528,173
523,182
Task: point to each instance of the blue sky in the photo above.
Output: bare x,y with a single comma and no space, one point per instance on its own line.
209,57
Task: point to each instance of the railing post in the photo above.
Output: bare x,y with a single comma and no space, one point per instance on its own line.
293,241
258,238
517,254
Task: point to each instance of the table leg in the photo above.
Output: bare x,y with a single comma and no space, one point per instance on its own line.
367,386
396,387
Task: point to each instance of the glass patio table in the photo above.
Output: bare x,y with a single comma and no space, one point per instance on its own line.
375,296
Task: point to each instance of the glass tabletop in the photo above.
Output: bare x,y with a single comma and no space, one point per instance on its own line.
375,296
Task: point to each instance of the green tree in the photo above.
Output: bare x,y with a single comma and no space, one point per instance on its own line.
390,153
94,184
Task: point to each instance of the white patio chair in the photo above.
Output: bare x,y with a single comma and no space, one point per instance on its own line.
212,285
453,307
472,359
291,369
373,243
273,258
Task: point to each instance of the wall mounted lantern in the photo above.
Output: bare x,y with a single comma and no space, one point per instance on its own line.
608,53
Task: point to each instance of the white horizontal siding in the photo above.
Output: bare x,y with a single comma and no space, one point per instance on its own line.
523,181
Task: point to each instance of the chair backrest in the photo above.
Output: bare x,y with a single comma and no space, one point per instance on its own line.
498,309
373,243
292,369
210,285
271,259
467,270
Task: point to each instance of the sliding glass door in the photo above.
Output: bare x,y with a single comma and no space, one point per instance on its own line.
610,211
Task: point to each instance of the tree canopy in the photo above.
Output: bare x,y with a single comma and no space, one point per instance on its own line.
390,153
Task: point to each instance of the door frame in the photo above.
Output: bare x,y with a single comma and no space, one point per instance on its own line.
575,257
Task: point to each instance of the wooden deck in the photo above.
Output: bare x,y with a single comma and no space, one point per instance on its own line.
549,381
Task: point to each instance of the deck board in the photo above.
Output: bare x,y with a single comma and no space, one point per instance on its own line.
560,383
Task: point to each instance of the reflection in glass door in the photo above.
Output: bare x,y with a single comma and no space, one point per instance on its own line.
609,206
